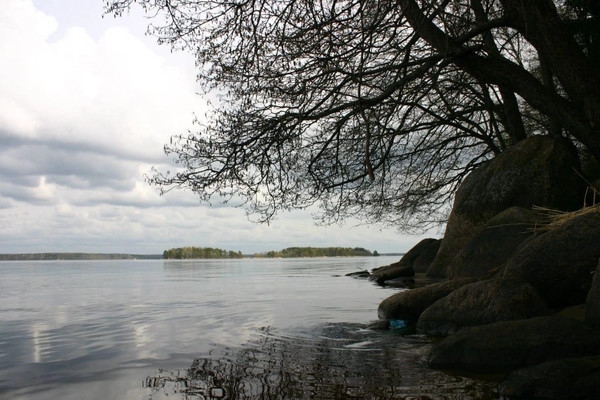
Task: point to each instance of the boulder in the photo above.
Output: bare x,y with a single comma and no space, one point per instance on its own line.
392,271
559,262
359,274
566,379
536,171
409,304
421,255
424,259
488,250
405,282
508,345
592,304
481,303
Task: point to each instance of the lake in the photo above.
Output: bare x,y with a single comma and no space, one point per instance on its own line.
208,329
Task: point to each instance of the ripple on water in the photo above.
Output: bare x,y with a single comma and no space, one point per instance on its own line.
336,361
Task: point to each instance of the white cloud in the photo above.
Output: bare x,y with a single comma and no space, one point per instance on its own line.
86,105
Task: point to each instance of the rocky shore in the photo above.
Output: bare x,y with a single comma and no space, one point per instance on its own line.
514,285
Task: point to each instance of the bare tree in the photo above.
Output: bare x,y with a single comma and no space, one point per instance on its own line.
375,109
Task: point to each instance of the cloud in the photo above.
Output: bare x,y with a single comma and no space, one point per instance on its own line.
86,106
84,113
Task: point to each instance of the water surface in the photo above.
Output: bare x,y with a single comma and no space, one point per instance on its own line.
245,329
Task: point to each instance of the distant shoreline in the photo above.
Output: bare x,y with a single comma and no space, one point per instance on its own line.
77,256
101,256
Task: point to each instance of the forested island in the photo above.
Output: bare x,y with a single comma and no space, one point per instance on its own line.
318,252
191,252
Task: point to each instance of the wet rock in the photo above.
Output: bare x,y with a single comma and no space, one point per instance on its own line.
409,304
392,271
421,255
536,171
487,251
359,274
567,379
592,305
559,262
481,303
402,282
504,346
380,325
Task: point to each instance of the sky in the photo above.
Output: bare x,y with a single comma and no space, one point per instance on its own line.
86,105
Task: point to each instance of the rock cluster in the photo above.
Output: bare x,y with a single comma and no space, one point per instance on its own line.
509,265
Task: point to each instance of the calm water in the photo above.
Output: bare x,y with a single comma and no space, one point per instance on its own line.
245,329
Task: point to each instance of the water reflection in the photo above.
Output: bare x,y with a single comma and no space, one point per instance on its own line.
343,361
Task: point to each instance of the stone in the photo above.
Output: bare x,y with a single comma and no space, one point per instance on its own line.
592,304
507,345
402,282
566,379
424,259
481,303
559,263
392,271
359,274
488,250
536,171
409,304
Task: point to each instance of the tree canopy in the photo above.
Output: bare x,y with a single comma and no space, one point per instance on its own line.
317,252
374,109
200,252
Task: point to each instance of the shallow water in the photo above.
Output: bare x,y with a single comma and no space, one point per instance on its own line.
244,329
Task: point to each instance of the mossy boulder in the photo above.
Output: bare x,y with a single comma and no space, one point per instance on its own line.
592,305
566,379
481,303
559,263
539,170
488,250
508,345
409,304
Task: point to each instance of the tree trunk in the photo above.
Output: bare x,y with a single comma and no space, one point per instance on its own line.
579,114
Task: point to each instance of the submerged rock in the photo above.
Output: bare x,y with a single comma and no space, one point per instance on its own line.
504,346
359,274
481,303
566,379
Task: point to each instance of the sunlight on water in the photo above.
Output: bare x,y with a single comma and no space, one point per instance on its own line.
246,329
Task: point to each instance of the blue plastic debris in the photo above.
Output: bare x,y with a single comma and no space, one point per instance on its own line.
399,323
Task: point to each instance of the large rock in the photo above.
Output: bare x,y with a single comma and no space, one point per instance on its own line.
487,251
592,305
409,304
420,256
536,171
567,379
481,303
423,260
392,271
508,345
559,263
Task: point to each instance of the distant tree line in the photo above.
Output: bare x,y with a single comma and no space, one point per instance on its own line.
316,252
75,256
200,252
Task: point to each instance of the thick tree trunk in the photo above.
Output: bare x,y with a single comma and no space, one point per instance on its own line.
579,113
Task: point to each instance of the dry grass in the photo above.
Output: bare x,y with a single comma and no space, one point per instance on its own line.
552,219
